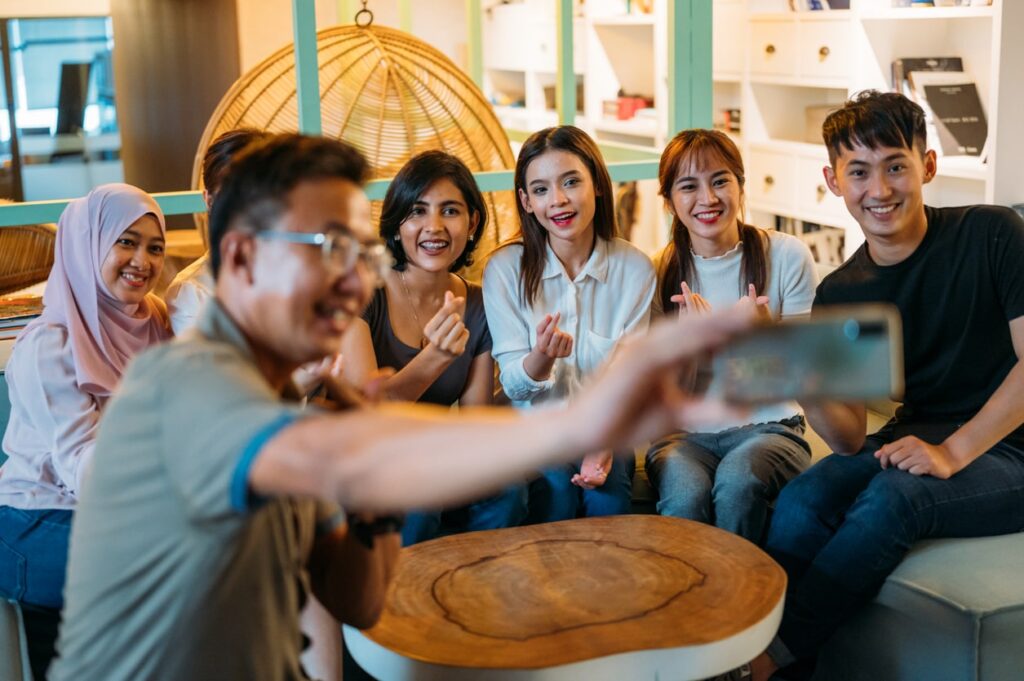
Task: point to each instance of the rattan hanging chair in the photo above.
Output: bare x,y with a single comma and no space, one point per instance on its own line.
388,94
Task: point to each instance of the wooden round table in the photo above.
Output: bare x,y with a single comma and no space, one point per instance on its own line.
623,597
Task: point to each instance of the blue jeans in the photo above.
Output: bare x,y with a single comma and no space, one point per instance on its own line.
33,559
842,527
505,509
554,497
34,555
730,478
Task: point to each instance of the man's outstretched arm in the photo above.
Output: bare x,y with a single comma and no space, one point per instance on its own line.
397,457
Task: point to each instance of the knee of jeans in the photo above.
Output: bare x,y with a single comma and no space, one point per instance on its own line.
738,484
803,495
892,493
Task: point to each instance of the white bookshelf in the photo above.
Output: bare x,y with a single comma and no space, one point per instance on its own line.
819,58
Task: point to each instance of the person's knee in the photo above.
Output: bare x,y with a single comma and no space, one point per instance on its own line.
691,502
507,508
891,496
602,502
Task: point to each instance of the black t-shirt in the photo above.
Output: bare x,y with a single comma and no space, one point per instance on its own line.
956,294
393,353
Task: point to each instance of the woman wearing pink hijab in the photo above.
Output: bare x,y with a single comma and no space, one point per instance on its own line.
98,314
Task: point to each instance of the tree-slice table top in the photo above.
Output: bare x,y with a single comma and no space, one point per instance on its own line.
622,597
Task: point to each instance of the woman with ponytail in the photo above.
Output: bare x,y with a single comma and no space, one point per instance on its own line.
730,475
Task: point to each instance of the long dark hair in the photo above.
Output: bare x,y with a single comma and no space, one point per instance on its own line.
417,176
700,146
534,237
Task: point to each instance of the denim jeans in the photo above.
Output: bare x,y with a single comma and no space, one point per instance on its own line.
33,559
842,527
730,478
505,509
34,555
554,497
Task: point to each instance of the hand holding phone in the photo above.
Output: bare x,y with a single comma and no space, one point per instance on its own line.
851,353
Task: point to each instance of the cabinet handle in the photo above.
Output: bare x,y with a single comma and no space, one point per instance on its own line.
821,191
769,49
769,180
823,51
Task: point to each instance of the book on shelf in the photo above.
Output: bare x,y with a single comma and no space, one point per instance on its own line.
953,112
901,68
817,5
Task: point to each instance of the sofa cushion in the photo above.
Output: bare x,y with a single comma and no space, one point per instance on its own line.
952,611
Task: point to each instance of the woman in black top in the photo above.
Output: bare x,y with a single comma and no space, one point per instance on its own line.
428,323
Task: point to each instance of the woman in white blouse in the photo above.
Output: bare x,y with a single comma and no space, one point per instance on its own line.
557,301
98,314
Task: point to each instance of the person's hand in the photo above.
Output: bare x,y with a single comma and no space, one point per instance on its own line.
552,342
917,457
594,470
446,331
637,397
690,302
344,395
758,303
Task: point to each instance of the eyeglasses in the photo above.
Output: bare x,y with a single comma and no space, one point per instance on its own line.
341,250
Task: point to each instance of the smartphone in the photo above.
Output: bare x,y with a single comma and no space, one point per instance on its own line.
851,353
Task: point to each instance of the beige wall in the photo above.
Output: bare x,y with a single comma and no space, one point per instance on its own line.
264,27
18,9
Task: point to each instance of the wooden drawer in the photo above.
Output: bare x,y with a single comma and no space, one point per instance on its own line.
825,49
813,195
771,178
773,50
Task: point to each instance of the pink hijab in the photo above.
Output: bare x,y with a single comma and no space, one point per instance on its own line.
105,334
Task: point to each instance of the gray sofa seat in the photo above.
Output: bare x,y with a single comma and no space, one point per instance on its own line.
952,611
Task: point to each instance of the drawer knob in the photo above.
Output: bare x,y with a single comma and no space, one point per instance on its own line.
821,191
769,180
823,51
769,49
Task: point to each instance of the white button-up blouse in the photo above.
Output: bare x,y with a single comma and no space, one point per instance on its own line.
609,298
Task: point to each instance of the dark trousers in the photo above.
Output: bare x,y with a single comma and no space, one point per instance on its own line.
843,526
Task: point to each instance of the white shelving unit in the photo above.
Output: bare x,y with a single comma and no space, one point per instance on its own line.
797,60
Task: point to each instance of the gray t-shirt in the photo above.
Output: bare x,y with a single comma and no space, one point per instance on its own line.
174,571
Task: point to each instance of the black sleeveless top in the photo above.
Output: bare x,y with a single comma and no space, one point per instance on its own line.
393,353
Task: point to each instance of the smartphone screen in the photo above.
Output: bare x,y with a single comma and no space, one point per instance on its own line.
849,353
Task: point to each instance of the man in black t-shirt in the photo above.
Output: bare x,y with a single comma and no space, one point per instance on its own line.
951,463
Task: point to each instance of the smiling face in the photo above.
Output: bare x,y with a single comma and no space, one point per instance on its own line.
883,190
560,194
434,234
135,261
707,198
296,304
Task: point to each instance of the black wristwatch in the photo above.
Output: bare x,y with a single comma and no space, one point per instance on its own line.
366,531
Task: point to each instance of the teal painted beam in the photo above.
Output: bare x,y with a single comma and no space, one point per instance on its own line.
34,212
181,203
475,42
565,85
307,72
689,65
